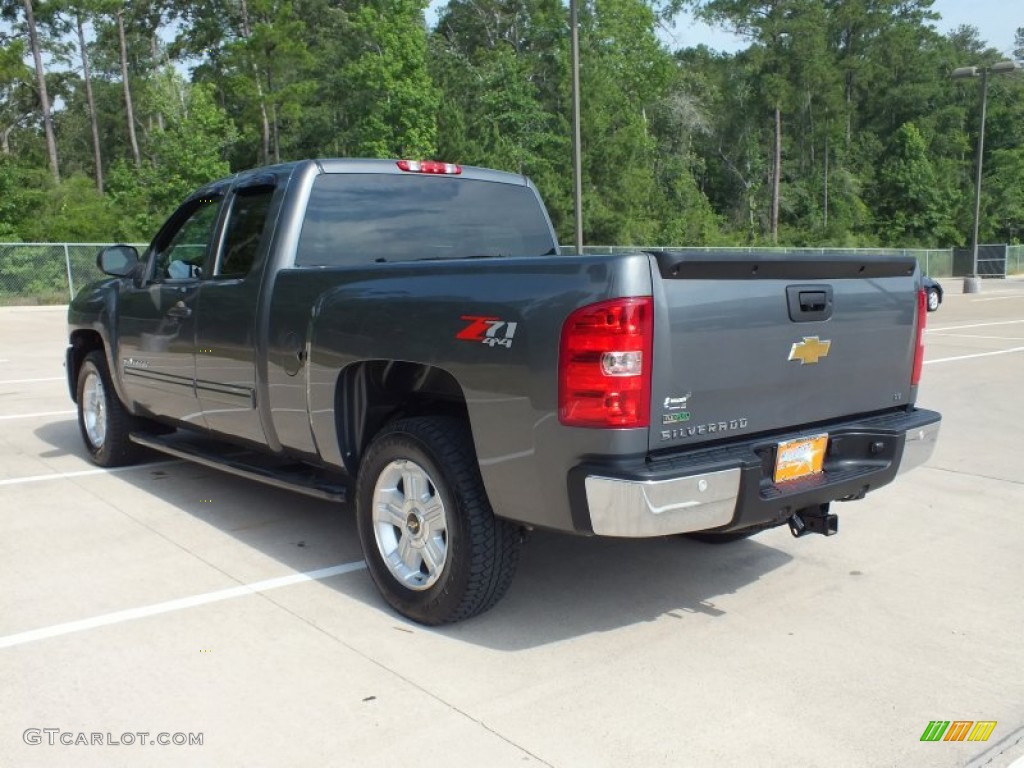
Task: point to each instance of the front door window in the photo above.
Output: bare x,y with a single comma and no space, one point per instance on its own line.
184,252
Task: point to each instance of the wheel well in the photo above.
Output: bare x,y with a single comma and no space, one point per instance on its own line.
373,393
82,343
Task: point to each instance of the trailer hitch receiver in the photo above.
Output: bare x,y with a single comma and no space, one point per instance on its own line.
814,519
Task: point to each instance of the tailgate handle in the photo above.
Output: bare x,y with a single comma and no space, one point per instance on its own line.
812,301
809,303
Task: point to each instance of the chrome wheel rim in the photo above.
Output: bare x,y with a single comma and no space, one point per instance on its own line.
410,524
94,410
933,300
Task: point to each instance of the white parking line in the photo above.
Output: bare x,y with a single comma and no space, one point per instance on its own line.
971,357
35,415
83,473
1000,298
979,336
975,325
131,614
32,381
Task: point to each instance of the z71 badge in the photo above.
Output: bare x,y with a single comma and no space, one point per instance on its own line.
485,330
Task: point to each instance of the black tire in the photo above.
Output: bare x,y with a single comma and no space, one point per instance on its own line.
110,446
933,299
481,552
727,537
721,538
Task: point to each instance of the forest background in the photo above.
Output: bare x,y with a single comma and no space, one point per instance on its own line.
837,124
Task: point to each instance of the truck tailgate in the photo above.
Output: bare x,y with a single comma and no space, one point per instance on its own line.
746,343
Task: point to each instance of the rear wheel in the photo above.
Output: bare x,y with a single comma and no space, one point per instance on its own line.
933,299
721,538
102,419
727,537
431,542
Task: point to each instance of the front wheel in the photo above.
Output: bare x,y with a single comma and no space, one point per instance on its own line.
102,419
933,299
430,539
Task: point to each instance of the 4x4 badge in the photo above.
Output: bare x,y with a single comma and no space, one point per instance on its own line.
485,330
810,350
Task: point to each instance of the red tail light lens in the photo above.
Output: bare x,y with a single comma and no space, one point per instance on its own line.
429,166
922,314
604,366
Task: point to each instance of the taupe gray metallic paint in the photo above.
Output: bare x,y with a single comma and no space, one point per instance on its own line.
723,344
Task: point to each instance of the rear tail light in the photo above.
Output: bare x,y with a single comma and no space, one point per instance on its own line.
604,365
429,166
922,314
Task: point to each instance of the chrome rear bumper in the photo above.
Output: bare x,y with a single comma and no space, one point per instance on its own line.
862,456
662,507
919,446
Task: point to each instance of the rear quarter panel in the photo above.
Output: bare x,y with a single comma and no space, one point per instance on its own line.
414,312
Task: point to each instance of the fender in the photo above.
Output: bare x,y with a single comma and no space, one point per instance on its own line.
95,309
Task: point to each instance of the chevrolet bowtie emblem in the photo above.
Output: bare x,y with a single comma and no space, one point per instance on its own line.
810,350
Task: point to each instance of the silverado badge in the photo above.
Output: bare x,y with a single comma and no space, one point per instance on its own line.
810,350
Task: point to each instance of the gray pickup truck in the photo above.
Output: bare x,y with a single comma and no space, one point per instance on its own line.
407,335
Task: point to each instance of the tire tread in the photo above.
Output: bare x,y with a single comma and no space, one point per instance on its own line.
494,545
118,450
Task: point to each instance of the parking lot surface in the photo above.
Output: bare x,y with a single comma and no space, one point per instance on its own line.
171,603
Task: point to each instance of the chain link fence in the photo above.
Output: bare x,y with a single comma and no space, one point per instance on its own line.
47,273
51,273
1015,260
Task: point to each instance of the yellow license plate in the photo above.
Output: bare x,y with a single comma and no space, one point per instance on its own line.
799,458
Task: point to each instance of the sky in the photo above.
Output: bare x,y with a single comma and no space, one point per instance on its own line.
996,21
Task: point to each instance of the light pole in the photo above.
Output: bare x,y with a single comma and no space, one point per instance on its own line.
577,151
972,283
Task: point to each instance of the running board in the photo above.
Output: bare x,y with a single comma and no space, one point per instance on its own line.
298,477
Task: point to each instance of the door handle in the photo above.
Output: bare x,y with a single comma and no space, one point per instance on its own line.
179,310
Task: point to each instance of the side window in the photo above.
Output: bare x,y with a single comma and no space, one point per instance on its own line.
183,253
244,231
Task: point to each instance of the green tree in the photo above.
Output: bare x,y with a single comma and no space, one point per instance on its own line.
80,12
1004,191
1002,217
907,203
256,53
625,75
188,152
17,99
793,82
44,98
391,104
499,68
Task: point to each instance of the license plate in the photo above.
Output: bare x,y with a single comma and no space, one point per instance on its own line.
800,458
